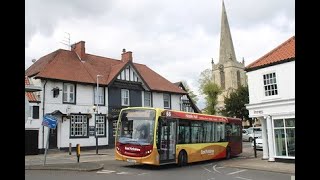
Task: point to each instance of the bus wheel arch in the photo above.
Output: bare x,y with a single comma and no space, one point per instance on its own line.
228,152
182,158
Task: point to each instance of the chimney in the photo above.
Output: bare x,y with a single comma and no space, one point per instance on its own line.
126,56
79,48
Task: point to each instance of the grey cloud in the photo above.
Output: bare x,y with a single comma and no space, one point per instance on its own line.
43,16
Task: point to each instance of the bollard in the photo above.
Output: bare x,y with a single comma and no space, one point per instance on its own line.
70,148
78,153
254,145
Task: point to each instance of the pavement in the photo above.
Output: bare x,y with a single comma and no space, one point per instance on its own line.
90,161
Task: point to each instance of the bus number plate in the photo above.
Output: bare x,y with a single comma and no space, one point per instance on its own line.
131,160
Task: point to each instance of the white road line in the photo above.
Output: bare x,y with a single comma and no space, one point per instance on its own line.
211,179
220,167
105,171
142,174
243,178
206,169
237,172
214,168
123,173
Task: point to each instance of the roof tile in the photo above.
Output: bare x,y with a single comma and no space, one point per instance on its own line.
30,95
281,53
66,65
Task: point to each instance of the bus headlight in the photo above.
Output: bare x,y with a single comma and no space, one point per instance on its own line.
149,151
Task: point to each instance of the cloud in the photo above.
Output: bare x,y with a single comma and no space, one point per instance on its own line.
177,39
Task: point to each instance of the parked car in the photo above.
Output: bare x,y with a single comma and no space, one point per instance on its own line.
259,144
248,134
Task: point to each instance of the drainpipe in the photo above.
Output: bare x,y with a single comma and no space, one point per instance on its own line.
43,103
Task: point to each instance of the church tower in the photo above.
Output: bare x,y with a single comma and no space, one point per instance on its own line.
228,73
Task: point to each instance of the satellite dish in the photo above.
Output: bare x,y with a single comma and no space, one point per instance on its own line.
33,60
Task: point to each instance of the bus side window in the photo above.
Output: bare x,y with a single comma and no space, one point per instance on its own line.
158,131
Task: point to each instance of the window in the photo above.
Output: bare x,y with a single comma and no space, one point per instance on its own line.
238,79
127,72
69,93
270,84
100,95
222,79
79,126
196,132
35,112
284,132
207,130
166,101
101,125
125,97
147,99
184,132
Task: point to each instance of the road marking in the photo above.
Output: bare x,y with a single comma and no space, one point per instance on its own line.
220,167
214,168
243,178
105,171
142,174
123,173
206,169
211,179
237,172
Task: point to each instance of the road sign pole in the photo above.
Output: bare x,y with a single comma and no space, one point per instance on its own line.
47,145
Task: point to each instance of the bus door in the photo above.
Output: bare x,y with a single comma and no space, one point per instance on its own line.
167,140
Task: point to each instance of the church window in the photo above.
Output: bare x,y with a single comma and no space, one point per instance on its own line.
222,79
238,79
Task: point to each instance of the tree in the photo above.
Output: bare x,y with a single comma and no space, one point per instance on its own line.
190,92
210,90
235,104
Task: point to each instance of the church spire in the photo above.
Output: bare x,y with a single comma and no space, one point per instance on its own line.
226,46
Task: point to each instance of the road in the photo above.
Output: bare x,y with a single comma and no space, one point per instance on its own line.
208,170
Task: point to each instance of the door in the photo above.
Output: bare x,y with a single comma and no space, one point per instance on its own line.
31,142
53,138
167,140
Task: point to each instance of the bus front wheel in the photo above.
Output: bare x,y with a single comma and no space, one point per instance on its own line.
182,158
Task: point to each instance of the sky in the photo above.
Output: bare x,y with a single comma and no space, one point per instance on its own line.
175,38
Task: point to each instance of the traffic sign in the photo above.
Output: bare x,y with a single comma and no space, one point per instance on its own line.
50,121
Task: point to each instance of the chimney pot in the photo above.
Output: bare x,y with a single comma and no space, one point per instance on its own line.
79,48
126,55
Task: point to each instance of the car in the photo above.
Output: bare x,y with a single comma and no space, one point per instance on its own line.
248,134
259,144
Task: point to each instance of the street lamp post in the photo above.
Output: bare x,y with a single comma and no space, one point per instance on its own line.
97,102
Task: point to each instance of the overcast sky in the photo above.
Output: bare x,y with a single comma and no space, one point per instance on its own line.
175,38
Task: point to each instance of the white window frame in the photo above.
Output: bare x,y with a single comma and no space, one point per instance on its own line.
67,93
284,128
100,95
125,94
78,126
164,100
147,98
270,84
100,123
127,73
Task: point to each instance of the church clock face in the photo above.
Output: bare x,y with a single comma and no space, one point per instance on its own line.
221,67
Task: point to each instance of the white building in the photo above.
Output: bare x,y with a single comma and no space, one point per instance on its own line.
32,123
271,82
69,81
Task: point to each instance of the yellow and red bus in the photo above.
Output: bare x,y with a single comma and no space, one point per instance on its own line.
158,136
